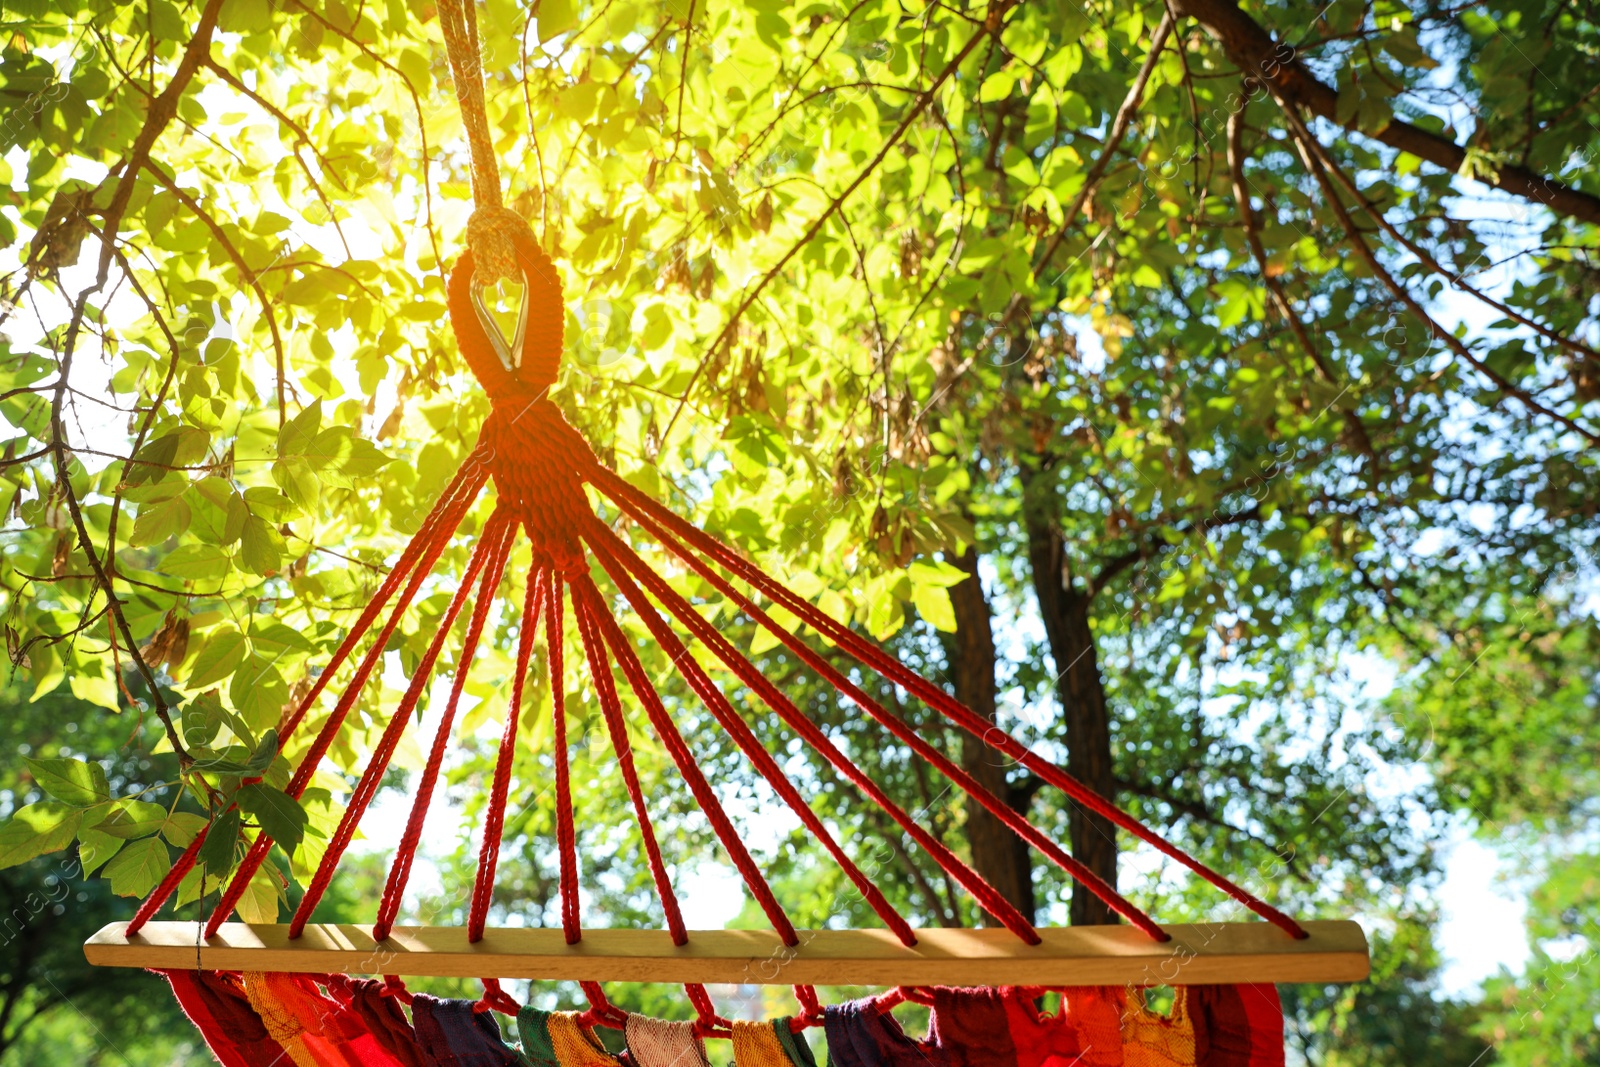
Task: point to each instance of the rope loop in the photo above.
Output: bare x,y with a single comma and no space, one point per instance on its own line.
495,999
493,233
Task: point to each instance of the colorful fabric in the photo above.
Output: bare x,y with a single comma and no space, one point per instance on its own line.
383,1017
861,1034
221,1012
575,1044
663,1043
794,1043
967,1028
1242,1025
454,1035
770,1044
314,1030
557,1039
755,1044
1095,1012
1040,1040
533,1028
1152,1040
972,1026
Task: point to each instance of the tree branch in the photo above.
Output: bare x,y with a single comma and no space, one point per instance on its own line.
162,111
245,272
1254,52
1318,163
997,9
1117,564
1198,811
1119,128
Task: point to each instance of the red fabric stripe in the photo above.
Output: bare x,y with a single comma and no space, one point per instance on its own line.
1264,1012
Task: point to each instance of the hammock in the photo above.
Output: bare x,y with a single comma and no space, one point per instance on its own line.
542,469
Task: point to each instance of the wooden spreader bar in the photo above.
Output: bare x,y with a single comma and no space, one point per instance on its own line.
1198,954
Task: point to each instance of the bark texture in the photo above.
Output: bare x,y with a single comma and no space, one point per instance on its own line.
998,854
1086,722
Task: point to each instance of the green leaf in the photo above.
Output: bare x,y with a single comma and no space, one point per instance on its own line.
933,604
224,650
71,780
261,547
266,751
259,904
95,848
217,854
182,826
129,818
202,719
996,86
196,561
139,867
37,830
159,521
276,812
556,17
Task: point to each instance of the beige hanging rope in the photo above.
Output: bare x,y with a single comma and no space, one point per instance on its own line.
493,225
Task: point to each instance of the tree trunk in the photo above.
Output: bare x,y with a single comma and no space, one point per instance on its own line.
999,855
1087,722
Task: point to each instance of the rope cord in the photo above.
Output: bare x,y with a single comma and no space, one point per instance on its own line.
641,507
433,548
493,227
673,741
606,546
372,776
1014,819
495,812
566,833
611,711
468,480
987,896
405,853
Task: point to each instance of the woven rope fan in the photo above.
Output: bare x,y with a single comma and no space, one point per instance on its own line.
541,468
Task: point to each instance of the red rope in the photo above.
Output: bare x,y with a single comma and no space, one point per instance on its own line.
495,999
986,895
640,507
566,835
309,763
605,688
897,726
683,758
468,480
601,1011
493,533
464,486
405,854
607,546
495,813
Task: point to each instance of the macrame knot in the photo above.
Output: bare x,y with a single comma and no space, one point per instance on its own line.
492,234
